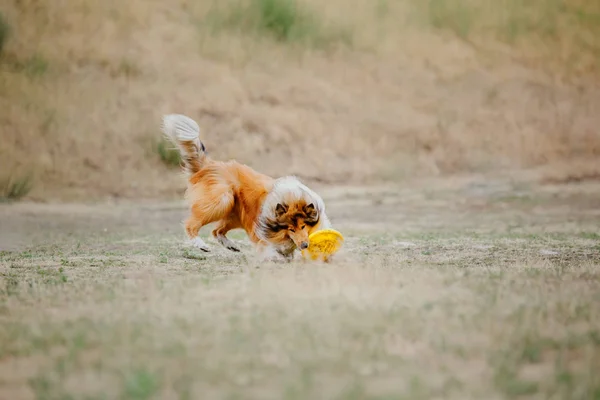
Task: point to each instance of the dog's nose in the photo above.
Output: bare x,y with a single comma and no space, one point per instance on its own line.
304,245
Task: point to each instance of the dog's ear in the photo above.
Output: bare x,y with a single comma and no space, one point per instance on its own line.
280,209
311,212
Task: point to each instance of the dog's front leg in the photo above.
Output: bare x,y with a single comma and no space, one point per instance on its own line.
270,253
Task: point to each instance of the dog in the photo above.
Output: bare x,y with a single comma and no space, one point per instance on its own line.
278,215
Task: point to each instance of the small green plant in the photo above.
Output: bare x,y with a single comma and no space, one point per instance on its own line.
163,258
35,66
4,32
168,153
50,276
128,68
16,188
141,384
282,18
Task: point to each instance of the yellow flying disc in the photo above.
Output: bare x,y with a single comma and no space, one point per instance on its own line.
323,244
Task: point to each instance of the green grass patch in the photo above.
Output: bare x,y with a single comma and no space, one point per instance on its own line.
168,153
590,235
35,66
52,276
285,21
546,22
15,188
140,384
508,382
453,15
128,68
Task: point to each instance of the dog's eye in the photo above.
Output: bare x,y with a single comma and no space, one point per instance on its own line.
303,226
292,230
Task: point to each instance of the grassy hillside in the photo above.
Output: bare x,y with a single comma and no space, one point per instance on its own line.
362,90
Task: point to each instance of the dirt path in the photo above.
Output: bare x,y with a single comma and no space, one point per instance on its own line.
459,206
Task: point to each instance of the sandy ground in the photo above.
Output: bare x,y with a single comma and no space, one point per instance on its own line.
450,206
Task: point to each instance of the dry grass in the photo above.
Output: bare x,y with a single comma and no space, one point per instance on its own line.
4,32
578,171
15,187
471,289
375,90
290,22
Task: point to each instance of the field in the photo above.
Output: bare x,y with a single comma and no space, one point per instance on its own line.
456,144
464,288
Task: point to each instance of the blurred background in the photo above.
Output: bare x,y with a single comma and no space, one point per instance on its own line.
334,91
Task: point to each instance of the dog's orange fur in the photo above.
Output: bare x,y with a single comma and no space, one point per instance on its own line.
228,193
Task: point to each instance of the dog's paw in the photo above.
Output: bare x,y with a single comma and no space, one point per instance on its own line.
227,243
200,244
233,248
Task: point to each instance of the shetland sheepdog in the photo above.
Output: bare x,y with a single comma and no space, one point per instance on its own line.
278,215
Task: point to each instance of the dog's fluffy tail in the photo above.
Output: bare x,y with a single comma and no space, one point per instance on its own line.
184,132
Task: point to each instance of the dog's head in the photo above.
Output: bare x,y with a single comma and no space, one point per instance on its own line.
291,213
294,221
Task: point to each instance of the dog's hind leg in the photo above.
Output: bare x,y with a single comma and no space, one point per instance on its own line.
221,230
205,211
192,227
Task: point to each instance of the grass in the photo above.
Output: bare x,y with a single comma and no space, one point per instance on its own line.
109,304
35,66
282,19
141,385
167,153
285,21
455,16
15,188
128,68
335,81
553,26
4,32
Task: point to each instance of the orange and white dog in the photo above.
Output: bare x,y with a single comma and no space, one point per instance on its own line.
277,214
